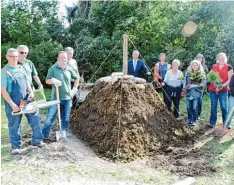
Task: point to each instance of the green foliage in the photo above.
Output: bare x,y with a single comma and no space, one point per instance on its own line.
44,56
196,77
213,77
97,26
154,27
36,25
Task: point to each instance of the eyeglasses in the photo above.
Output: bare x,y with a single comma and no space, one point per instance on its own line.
13,56
21,52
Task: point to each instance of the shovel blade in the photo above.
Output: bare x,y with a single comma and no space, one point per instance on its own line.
60,134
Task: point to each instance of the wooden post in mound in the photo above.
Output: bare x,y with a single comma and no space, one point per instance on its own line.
125,54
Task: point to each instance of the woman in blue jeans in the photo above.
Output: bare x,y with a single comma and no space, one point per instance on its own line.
195,81
225,72
230,104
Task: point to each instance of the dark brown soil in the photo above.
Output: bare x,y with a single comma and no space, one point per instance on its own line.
183,162
123,120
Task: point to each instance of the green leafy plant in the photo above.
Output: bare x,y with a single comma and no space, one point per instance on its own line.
196,78
214,78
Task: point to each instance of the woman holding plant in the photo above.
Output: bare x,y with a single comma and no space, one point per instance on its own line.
195,81
219,79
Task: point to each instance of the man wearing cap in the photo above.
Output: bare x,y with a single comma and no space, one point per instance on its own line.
14,88
136,66
60,76
202,59
28,66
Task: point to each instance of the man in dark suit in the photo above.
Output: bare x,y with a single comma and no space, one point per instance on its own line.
136,66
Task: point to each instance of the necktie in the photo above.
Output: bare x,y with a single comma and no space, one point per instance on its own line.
134,64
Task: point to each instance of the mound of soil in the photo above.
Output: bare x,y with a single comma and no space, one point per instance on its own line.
123,120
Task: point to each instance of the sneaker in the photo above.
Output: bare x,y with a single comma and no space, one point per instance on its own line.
68,134
188,123
229,128
193,124
41,144
15,151
198,118
46,140
211,126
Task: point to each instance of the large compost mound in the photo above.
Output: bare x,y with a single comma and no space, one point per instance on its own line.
121,119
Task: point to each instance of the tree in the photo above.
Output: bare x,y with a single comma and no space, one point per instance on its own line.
35,24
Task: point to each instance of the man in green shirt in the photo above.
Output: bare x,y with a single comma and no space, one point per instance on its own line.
28,66
60,75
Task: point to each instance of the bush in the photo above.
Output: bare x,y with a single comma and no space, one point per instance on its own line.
44,56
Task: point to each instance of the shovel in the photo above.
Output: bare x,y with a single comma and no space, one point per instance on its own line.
229,116
223,127
59,133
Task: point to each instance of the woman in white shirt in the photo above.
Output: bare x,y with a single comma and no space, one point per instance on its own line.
173,86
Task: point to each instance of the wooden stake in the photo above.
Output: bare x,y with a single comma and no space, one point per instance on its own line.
125,54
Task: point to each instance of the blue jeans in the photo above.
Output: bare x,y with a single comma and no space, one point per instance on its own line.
18,92
230,107
214,97
15,127
200,105
65,107
192,110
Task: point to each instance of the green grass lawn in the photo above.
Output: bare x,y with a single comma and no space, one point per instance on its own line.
219,149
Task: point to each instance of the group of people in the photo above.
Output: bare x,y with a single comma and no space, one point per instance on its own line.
175,84
17,85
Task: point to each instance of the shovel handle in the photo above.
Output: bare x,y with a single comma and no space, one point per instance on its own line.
58,106
229,116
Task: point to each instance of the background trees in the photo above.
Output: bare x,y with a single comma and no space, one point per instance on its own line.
96,27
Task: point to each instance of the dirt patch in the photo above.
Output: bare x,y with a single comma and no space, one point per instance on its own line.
124,120
183,162
187,160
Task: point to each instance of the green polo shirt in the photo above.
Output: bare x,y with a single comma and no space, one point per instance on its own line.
30,70
205,68
6,80
64,75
